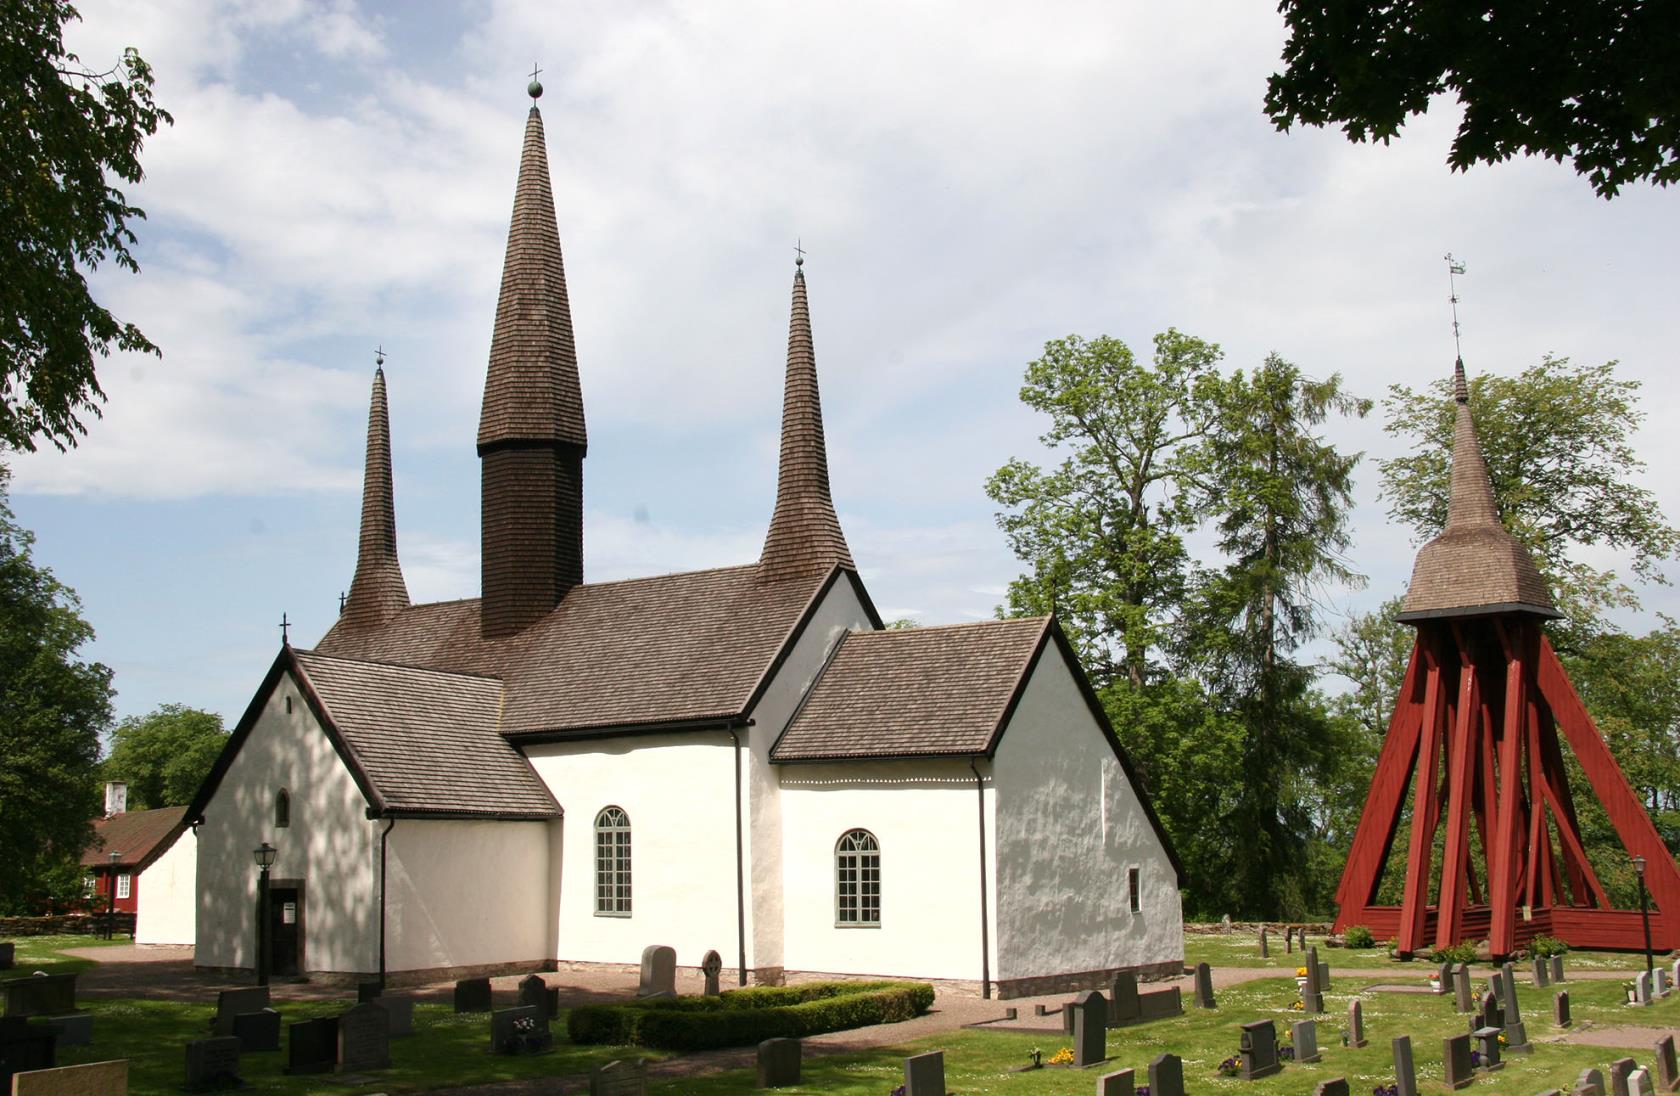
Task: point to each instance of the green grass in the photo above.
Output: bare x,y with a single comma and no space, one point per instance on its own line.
45,953
1242,949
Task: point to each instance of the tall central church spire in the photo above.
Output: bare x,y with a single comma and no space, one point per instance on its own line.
531,434
805,537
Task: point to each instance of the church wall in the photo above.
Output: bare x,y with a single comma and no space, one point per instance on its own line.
924,815
839,612
466,894
677,790
330,845
1070,826
169,913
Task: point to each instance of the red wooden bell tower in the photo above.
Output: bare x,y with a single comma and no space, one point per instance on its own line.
1474,742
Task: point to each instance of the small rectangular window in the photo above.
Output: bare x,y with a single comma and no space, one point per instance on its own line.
1132,887
123,885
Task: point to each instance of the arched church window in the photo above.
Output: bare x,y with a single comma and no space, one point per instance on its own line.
282,809
857,880
612,863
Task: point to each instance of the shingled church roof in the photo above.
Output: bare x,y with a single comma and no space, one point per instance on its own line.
1475,567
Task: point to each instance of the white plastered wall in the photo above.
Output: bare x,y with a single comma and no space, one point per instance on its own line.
330,845
839,612
678,791
926,817
1070,825
168,908
466,893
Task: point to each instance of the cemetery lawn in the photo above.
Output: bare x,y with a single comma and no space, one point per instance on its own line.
46,953
982,1062
446,1050
1242,949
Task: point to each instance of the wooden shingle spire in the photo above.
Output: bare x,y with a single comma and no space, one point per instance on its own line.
805,537
531,435
377,592
1474,567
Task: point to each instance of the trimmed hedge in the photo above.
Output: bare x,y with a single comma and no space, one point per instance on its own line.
746,1016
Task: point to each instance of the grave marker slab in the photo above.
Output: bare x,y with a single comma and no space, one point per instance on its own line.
1405,1072
1312,997
1490,1014
1258,1048
1642,988
213,1063
924,1074
1590,1082
1556,966
1455,1058
1560,1009
1659,982
1443,978
533,991
400,1008
1464,995
1541,974
659,972
1336,1086
1090,1030
778,1063
91,1079
1668,1075
1288,940
711,966
1620,1069
473,995
619,1079
312,1046
74,1030
233,1002
1265,948
1356,1024
23,1048
1487,1042
1120,1083
257,1032
1204,986
520,1030
364,1039
8,955
1166,1076
40,995
1305,1034
367,991
1124,1005
1640,1084
1160,1004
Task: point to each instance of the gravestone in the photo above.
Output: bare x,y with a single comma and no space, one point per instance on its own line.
1674,974
1516,1033
1204,986
312,1046
1166,1076
1490,1014
1265,948
8,955
520,1030
1405,1072
213,1063
364,1039
1639,1083
1312,997
1589,1083
619,1079
659,972
1668,1075
1161,1004
924,1074
367,991
1324,976
1464,995
1557,968
1356,1024
1642,988
1043,1010
74,1030
473,995
257,1032
40,995
1487,1042
91,1079
1225,925
24,1047
1443,978
778,1063
1124,1007
234,1002
399,1007
1067,1019
711,966
1289,939
1120,1083
1090,1030
1258,1048
1619,1071
1306,1040
1455,1058
1659,982
1560,1009
1336,1086
1541,978
533,991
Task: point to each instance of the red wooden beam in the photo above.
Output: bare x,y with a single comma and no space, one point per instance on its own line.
1502,889
1415,900
1455,854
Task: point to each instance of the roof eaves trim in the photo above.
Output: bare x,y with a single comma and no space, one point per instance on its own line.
722,722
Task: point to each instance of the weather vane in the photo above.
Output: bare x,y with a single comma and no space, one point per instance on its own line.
1454,268
799,252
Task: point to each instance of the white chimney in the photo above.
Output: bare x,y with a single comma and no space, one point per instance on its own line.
116,797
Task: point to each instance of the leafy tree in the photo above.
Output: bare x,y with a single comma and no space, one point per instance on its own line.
1372,650
1557,440
65,133
53,706
165,755
1590,81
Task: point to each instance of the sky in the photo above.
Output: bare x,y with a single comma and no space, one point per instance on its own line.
968,180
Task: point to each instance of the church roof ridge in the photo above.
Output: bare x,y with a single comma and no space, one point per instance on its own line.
1039,620
390,664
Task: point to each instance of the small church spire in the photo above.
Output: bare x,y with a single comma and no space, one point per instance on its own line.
805,537
1470,496
377,592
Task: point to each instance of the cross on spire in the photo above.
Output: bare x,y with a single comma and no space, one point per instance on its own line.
379,356
798,252
285,630
1454,268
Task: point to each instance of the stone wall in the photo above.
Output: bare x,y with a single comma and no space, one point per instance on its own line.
65,924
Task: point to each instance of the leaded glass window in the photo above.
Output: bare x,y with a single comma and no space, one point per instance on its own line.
612,862
857,879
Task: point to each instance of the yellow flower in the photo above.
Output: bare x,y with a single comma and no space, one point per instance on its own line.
1300,972
1063,1057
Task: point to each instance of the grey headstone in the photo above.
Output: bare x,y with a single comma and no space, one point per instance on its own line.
1090,1030
236,1002
1204,986
1516,1034
1464,997
213,1063
1541,973
1668,1075
40,995
778,1063
924,1074
312,1046
1258,1048
24,1047
1590,1082
1336,1086
1312,997
1619,1072
1560,1009
1455,1056
1443,978
711,966
1119,1083
1557,968
1265,946
1067,1018
1289,939
1490,1014
473,995
1324,976
1640,1084
1124,1004
1305,1033
659,972
257,1032
1487,1042
8,955
1659,982
364,1039
1356,1024
619,1079
1642,988
1405,1072
520,1030
1166,1076
535,992
1225,925
74,1030
400,1008
1161,1004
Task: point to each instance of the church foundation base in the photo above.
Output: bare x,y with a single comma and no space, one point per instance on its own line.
1075,982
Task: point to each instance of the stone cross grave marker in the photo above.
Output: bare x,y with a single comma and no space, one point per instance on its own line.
1124,1007
364,1039
1166,1076
1405,1072
1455,1058
535,992
1590,1082
1619,1071
257,1032
924,1074
659,971
400,1008
1336,1086
711,966
1639,1083
473,995
1356,1024
1464,997
91,1079
1204,986
39,995
1668,1074
778,1063
1265,948
1119,1083
312,1046
1487,1042
520,1030
236,1002
1258,1049
619,1079
1542,976
1306,1040
213,1063
1090,1029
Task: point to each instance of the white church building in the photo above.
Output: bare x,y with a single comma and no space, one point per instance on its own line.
742,759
